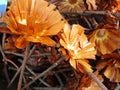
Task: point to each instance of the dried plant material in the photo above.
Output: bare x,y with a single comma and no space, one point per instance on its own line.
72,82
110,22
116,7
87,83
110,63
55,2
79,49
106,40
71,6
34,21
9,44
111,5
91,4
55,56
64,52
5,30
105,4
84,82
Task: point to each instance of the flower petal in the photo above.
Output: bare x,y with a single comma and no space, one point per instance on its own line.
21,42
43,40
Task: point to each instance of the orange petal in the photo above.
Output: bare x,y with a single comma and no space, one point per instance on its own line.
74,32
73,63
63,43
21,42
109,72
43,40
53,30
114,35
67,30
85,65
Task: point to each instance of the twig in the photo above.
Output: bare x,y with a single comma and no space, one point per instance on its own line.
3,40
43,73
18,71
14,53
6,73
42,54
12,63
88,22
89,13
42,81
48,88
21,55
60,81
2,52
36,75
4,58
32,50
23,68
100,84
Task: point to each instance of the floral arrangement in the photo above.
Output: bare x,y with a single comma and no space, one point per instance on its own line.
77,33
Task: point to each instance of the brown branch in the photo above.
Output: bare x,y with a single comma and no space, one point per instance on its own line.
23,67
4,59
46,71
100,84
16,74
14,53
8,60
32,72
49,88
89,13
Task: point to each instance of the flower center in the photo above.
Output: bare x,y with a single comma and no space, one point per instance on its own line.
101,32
72,1
23,21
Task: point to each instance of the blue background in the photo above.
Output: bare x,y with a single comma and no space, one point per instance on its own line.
3,4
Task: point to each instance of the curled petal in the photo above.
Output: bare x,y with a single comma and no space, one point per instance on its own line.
85,65
21,42
44,40
73,63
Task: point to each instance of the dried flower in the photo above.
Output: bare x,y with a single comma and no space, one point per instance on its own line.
111,5
91,4
34,21
106,40
116,6
110,63
87,83
105,4
71,6
79,49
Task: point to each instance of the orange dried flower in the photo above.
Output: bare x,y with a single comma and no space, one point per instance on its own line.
34,21
71,6
116,6
111,5
105,4
91,4
87,83
110,63
79,49
106,40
